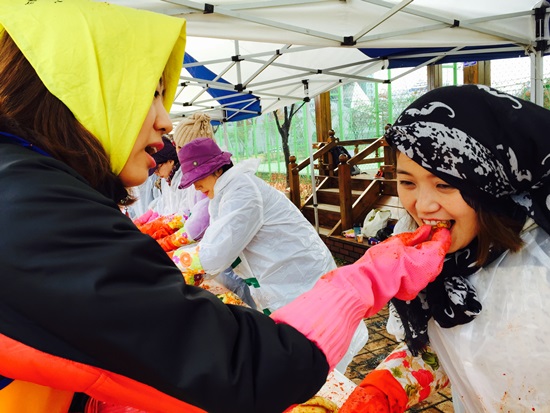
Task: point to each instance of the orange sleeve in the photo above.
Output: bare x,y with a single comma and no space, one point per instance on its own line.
22,396
21,362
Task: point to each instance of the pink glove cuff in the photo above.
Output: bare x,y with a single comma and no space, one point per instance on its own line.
326,315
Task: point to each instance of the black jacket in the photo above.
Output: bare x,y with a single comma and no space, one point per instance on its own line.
78,281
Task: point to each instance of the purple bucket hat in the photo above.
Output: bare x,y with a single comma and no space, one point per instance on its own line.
200,158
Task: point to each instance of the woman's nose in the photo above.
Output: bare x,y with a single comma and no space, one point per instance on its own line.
426,202
163,121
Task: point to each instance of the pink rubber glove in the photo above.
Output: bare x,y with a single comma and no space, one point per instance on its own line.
401,267
144,218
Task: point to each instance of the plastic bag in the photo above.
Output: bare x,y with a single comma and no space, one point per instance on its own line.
236,284
358,341
375,221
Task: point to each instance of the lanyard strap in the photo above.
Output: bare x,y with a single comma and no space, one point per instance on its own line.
24,143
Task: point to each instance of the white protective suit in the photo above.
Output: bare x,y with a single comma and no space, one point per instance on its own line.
171,200
144,194
500,362
281,254
257,230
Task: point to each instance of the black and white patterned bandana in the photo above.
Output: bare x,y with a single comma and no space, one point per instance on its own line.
494,148
450,299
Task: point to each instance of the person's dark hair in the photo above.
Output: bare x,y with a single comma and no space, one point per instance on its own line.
226,167
496,231
50,125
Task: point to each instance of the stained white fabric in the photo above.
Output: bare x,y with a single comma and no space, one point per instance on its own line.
501,360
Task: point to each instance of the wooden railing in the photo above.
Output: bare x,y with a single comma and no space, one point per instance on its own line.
341,167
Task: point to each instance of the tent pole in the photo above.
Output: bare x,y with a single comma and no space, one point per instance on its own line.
312,172
311,160
225,136
539,79
537,94
541,33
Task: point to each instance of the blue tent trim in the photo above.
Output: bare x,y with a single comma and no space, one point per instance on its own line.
232,105
395,61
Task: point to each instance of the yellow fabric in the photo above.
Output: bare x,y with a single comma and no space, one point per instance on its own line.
103,61
23,397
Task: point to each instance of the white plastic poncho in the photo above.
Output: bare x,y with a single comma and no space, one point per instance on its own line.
144,194
186,202
500,362
170,199
281,254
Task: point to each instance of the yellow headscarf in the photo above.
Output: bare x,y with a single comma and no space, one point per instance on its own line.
103,61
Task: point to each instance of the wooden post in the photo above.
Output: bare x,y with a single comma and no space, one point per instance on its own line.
294,181
323,117
344,188
332,163
478,73
321,161
435,76
390,161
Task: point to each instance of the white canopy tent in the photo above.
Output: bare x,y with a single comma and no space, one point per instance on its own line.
274,75
262,55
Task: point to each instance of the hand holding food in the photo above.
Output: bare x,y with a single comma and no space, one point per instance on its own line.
316,404
415,259
399,267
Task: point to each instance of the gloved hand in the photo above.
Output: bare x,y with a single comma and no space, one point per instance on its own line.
379,392
401,266
413,259
175,240
398,383
317,404
149,215
162,226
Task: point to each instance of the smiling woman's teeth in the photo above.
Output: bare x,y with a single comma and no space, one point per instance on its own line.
438,224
